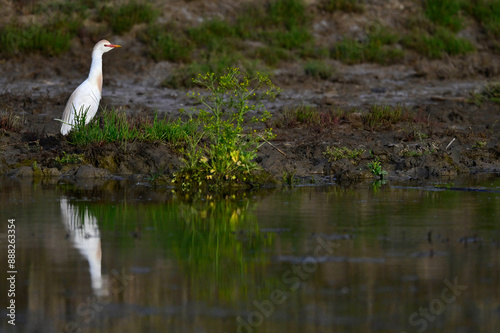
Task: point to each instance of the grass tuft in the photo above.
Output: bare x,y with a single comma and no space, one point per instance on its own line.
46,40
124,17
9,121
437,45
445,13
165,45
378,47
490,92
349,6
383,116
487,12
337,153
114,126
318,69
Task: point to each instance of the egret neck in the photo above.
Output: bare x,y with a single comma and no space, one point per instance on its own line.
95,75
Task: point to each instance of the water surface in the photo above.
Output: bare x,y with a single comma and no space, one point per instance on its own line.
122,257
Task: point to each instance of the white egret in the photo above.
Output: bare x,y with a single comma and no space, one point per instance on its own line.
85,99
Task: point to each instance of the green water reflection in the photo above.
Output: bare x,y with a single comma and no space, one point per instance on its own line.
120,257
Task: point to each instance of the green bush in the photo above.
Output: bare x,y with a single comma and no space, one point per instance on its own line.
228,152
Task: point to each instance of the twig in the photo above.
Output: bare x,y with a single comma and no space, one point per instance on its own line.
271,145
449,144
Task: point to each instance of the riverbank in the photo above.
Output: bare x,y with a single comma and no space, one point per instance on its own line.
445,138
332,86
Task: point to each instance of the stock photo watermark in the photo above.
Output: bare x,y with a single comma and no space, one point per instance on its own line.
11,271
291,279
420,319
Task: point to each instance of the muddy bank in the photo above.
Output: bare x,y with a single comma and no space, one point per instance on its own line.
442,139
447,135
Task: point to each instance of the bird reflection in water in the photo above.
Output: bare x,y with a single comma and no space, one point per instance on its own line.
84,233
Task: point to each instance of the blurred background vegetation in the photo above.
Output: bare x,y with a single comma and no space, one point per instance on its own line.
258,34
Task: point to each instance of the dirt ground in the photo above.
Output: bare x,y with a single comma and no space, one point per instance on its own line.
449,135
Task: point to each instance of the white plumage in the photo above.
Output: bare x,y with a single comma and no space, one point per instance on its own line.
86,97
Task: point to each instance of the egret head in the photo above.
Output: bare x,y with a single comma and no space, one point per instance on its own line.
104,46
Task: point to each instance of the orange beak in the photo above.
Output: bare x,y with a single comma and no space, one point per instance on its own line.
112,45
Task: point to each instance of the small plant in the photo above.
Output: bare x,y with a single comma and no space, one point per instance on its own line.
480,145
382,116
289,178
318,70
376,168
69,158
9,121
303,114
336,153
228,152
490,92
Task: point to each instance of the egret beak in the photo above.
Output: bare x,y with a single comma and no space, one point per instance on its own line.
112,45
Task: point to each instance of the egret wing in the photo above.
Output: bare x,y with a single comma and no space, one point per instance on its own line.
85,98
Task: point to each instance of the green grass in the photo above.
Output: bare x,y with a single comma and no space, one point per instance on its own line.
182,76
10,121
487,12
165,45
318,69
275,32
49,40
272,55
420,151
445,13
383,116
350,6
122,18
69,158
213,35
435,46
378,47
303,114
114,126
490,92
338,153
